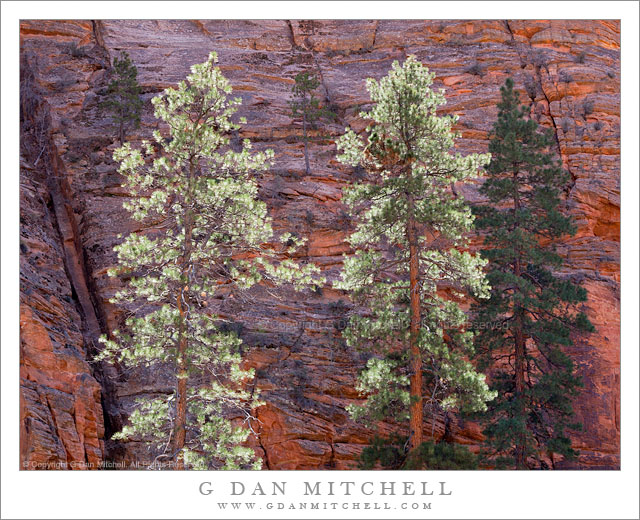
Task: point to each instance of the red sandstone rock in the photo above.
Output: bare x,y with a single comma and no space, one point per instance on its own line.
568,71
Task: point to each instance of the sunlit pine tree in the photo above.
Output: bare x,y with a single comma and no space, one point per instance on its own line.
410,244
208,234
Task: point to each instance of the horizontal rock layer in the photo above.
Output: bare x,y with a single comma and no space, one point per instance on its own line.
568,71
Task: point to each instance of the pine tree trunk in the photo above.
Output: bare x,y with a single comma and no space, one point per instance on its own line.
181,394
182,361
415,410
121,133
306,144
520,450
518,333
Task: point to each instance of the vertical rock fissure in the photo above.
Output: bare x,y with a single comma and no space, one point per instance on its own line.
266,453
555,130
321,76
514,42
76,269
538,71
98,34
291,35
54,424
513,38
375,35
332,458
78,272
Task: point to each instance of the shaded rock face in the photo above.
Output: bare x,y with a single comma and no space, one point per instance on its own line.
71,212
61,414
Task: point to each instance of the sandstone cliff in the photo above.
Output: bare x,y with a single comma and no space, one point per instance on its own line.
71,210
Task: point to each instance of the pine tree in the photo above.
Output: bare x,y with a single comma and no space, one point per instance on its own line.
528,320
409,244
123,95
306,105
205,237
389,453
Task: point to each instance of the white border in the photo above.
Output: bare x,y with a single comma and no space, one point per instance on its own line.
612,494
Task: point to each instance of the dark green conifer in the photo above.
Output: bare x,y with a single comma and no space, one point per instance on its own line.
389,453
306,105
123,99
524,328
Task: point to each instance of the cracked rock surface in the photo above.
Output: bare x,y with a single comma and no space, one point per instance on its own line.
71,211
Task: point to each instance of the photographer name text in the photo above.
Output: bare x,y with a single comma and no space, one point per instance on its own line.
328,488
